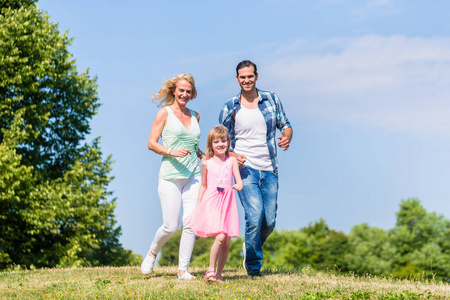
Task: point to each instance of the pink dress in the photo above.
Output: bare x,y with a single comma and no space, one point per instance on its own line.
217,212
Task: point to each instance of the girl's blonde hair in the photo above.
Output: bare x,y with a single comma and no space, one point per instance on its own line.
166,92
218,131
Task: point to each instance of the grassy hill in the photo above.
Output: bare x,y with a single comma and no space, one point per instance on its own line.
129,283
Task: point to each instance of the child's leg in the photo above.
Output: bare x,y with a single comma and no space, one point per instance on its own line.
214,254
223,255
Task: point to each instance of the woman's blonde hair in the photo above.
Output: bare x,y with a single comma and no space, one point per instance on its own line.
166,92
218,131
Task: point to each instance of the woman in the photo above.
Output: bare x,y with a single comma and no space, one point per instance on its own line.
179,175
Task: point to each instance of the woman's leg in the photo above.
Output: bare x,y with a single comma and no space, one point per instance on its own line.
223,255
189,195
170,197
215,249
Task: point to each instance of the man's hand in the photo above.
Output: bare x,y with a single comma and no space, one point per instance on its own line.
241,159
285,139
283,143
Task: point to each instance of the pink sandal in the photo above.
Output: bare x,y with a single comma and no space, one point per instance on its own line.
210,276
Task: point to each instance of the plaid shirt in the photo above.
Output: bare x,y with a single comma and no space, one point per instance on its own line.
272,110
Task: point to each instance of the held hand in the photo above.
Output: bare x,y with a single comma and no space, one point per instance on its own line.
241,159
180,152
284,142
238,186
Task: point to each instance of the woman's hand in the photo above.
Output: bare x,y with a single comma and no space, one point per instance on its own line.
180,152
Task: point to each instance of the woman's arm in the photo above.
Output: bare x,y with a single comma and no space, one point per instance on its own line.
200,153
155,133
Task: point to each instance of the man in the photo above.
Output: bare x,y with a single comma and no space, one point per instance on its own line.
252,118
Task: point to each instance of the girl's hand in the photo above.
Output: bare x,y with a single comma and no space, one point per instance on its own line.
180,152
238,186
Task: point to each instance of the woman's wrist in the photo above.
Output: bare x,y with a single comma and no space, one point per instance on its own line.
169,150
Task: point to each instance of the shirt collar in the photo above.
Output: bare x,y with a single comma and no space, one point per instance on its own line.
262,97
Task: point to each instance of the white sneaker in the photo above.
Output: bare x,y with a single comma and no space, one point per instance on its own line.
245,252
147,264
186,276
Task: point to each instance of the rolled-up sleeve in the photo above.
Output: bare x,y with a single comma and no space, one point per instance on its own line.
226,119
282,120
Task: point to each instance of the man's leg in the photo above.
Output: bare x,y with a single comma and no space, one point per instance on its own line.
251,200
269,193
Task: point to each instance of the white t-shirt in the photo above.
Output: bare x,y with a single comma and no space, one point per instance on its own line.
251,130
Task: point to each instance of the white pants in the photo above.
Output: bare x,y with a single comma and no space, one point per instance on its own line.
173,194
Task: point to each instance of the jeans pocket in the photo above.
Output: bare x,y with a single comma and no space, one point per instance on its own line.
243,170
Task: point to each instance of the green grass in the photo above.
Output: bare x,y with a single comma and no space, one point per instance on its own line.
128,283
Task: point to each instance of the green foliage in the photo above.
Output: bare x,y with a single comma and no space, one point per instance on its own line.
39,76
417,247
314,246
421,240
54,207
408,270
169,253
372,251
15,4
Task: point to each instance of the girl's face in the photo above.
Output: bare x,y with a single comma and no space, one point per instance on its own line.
220,145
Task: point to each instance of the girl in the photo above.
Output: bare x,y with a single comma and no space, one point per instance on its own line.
216,212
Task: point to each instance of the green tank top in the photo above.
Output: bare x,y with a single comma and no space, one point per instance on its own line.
176,136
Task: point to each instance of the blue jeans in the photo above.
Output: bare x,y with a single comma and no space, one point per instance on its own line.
259,199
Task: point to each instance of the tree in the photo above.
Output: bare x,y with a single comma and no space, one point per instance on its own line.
39,77
421,239
54,207
313,246
370,251
286,250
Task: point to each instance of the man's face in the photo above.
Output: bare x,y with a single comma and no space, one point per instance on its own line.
247,79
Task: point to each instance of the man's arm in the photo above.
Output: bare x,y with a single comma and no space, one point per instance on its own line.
283,125
239,157
285,138
226,119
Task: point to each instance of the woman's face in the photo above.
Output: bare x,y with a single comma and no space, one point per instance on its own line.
183,92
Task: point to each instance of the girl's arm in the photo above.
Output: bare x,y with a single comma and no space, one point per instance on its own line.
204,184
237,176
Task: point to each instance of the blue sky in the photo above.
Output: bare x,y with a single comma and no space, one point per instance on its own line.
365,83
